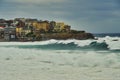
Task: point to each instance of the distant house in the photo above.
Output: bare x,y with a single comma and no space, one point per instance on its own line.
2,20
41,25
26,30
20,19
61,27
9,22
19,26
30,21
18,31
3,24
10,33
1,28
52,25
58,26
65,28
1,31
23,29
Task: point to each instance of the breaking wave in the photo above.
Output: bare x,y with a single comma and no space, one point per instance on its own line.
68,46
102,52
106,43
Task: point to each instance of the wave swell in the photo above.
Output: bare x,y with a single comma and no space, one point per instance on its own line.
107,43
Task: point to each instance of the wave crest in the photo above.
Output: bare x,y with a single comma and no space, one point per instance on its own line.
106,43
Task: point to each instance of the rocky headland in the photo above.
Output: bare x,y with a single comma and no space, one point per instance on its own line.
22,29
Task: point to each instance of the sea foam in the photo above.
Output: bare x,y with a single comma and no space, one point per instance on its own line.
19,61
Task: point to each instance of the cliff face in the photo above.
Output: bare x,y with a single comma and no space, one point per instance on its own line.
64,36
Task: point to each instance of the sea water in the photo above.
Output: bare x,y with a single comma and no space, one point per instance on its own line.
97,59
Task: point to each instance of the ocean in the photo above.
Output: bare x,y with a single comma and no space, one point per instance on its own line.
72,59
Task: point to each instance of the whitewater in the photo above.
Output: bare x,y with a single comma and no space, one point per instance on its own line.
97,59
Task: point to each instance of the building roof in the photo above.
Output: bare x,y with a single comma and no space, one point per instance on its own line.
1,27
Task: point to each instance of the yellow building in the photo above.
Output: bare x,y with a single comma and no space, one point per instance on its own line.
65,28
44,25
22,31
25,32
18,31
61,27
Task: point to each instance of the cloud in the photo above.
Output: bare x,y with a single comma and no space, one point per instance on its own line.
90,15
35,1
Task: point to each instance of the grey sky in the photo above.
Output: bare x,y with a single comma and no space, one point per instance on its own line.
90,15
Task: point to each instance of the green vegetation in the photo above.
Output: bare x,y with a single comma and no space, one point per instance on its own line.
75,31
31,34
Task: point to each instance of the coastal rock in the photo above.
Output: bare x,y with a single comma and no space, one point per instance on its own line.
64,36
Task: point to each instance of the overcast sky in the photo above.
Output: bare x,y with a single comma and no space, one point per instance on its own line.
96,16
